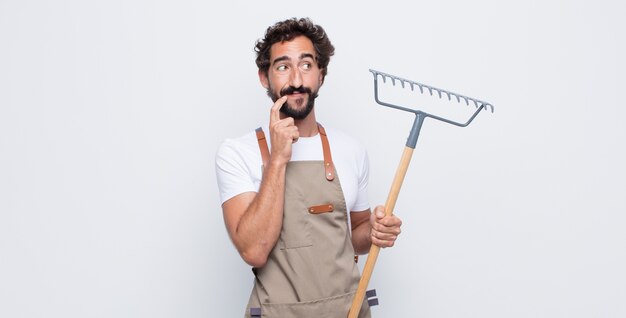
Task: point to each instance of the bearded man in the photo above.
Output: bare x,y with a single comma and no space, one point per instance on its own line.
284,207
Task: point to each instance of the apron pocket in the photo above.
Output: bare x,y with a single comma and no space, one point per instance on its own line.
332,307
296,230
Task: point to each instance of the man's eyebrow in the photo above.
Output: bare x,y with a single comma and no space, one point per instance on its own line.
280,59
287,58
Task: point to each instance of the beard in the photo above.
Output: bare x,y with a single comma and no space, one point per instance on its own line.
288,109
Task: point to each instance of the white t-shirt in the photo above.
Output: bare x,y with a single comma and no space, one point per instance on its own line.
238,164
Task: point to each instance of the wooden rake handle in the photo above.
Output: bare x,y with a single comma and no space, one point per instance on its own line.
357,302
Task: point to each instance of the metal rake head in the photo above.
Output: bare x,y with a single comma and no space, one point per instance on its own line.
421,115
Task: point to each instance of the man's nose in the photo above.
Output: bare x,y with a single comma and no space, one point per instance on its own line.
296,78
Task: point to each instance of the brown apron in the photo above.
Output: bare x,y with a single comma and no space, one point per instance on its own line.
311,271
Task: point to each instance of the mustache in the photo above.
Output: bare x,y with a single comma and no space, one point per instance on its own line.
291,89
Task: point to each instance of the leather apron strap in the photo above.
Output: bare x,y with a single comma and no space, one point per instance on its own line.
329,167
265,153
328,159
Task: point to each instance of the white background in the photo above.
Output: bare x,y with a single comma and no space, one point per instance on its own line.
111,112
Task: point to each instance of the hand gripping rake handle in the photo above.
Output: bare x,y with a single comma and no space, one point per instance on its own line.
403,166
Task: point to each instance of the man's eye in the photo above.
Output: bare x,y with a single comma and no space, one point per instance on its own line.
281,68
306,66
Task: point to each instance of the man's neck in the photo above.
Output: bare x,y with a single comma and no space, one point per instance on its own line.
307,127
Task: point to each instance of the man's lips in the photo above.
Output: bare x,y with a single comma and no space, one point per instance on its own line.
296,94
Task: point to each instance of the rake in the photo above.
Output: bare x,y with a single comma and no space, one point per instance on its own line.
406,158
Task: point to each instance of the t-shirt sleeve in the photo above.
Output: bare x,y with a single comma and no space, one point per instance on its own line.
362,201
232,172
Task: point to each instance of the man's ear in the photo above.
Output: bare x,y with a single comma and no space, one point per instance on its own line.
263,79
321,79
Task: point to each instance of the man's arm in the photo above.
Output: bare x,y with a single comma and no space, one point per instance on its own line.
254,220
376,228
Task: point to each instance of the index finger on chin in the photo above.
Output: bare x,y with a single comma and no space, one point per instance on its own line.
275,111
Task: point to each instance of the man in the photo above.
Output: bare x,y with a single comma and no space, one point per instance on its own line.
284,208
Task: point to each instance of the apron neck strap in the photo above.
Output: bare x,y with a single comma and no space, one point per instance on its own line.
329,167
265,153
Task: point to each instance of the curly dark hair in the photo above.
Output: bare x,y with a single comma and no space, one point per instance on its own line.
286,31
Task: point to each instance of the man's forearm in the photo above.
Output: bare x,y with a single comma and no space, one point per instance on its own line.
260,226
361,239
